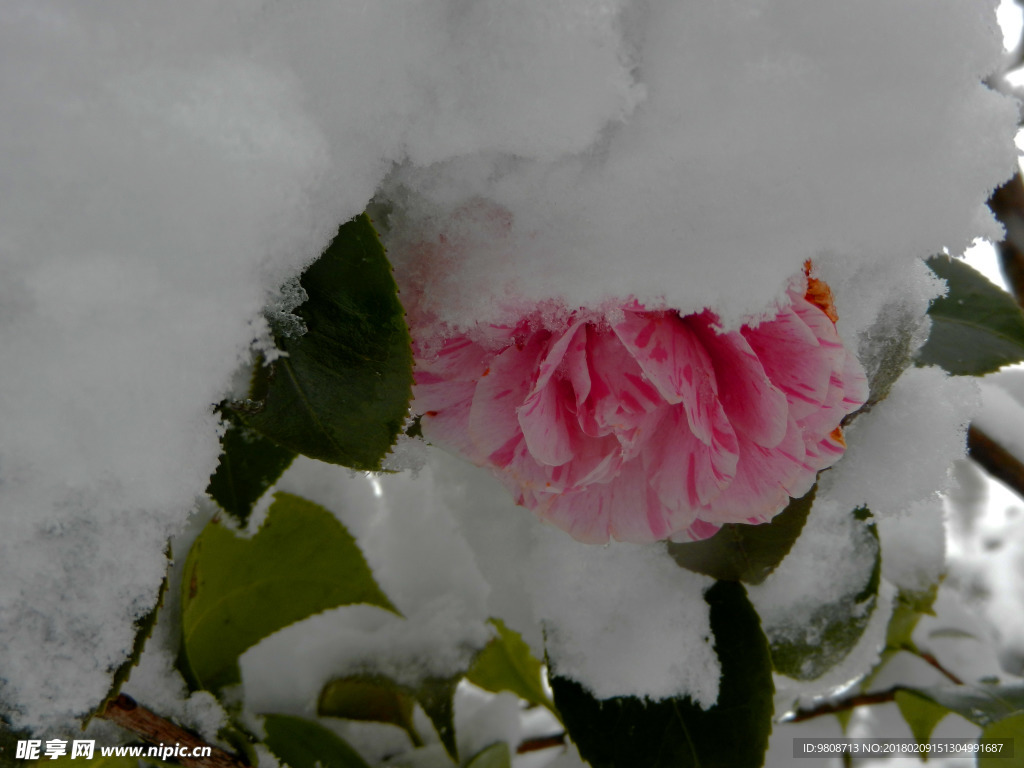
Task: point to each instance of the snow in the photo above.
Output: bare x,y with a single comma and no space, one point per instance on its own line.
791,143
901,451
914,546
450,549
164,170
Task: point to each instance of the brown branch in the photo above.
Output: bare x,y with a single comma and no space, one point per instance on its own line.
156,730
832,707
995,459
930,659
1007,203
541,742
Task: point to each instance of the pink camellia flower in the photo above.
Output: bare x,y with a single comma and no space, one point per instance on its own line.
642,424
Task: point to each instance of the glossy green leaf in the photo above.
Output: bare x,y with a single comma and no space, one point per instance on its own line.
339,698
249,464
1008,728
629,732
341,394
304,744
747,553
983,704
237,591
507,664
369,698
495,756
920,714
976,328
825,639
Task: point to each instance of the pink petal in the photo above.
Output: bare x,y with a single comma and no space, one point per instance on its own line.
698,530
501,389
676,363
619,394
848,390
545,414
449,429
765,479
683,471
544,419
756,408
794,359
584,514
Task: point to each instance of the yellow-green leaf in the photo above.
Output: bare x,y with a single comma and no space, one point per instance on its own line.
494,756
921,714
507,664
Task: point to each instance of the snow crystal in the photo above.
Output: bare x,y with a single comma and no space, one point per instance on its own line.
900,452
914,546
828,565
482,719
862,657
792,143
623,620
405,530
151,175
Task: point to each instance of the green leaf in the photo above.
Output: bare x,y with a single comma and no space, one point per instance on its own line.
507,664
9,739
341,394
495,756
628,732
304,744
983,704
369,698
143,631
976,328
809,650
435,694
249,465
237,591
747,553
1009,728
920,714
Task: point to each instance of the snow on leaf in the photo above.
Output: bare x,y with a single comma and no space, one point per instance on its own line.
369,698
305,744
833,629
627,732
237,591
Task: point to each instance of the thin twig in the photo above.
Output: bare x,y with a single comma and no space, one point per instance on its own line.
843,705
541,742
925,656
995,459
149,726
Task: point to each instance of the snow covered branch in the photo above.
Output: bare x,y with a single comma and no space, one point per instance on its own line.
127,713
